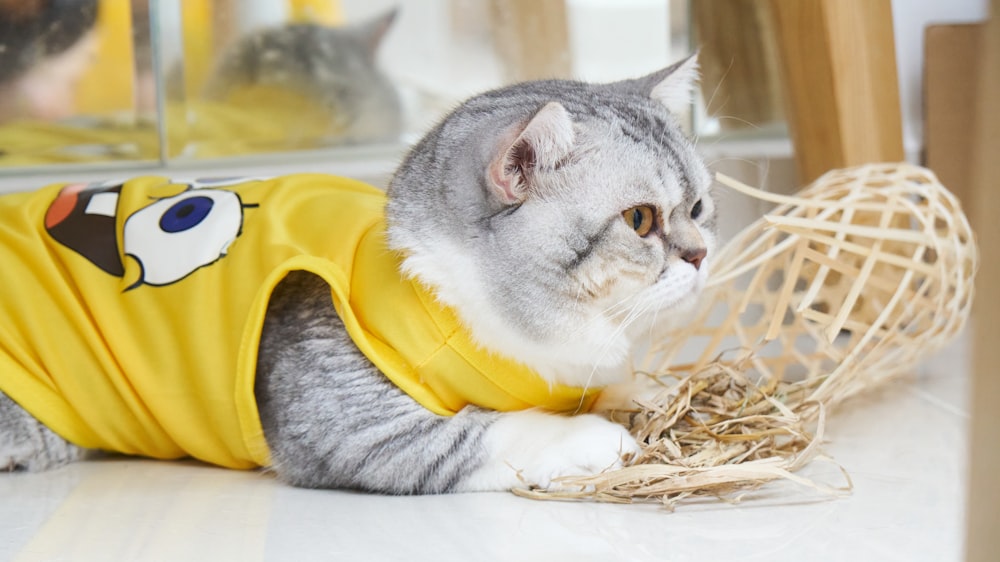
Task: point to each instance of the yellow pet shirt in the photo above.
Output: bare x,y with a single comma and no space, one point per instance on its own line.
131,313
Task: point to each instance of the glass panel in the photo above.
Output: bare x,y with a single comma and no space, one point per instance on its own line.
243,78
255,77
75,83
271,76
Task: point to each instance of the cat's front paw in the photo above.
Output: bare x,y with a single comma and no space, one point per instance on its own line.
533,448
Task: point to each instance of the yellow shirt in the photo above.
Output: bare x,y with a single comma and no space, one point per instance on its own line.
132,313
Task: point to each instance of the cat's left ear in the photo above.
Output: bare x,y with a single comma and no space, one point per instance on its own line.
672,86
546,140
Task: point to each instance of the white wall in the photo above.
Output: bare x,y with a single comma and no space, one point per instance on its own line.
616,39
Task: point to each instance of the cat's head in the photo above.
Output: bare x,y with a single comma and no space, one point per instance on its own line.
559,219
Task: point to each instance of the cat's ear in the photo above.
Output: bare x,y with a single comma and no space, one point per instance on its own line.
672,86
373,32
541,144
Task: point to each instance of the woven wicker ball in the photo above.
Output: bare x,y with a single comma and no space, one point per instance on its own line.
850,282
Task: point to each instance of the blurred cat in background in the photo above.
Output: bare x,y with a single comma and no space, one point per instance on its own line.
330,69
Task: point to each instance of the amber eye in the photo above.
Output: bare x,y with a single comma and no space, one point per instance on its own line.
641,219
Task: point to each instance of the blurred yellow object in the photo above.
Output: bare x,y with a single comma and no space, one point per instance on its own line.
251,120
108,86
199,44
327,12
254,121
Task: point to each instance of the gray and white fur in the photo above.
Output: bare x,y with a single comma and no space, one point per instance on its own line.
523,211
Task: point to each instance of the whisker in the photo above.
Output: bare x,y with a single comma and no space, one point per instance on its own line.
711,98
652,324
738,120
642,305
725,74
609,311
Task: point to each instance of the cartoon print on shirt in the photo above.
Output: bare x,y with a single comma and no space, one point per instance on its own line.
165,241
82,218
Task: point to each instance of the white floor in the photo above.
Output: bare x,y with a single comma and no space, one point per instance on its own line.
904,447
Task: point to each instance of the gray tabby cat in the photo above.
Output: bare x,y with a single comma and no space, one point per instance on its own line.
335,66
559,219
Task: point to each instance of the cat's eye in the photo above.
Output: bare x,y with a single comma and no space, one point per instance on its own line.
641,219
696,210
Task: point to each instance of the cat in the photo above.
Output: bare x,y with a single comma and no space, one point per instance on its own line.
334,67
559,220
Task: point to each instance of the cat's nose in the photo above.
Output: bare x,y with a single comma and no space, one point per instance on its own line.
694,257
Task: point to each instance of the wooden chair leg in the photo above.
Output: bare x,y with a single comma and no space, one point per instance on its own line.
839,69
532,38
983,513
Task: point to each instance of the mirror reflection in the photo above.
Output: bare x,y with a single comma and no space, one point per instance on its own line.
147,81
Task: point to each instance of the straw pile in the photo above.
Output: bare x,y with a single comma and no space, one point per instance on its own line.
842,287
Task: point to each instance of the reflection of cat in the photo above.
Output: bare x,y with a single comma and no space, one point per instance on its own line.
307,64
555,221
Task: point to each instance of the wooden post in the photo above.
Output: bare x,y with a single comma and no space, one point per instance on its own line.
952,55
740,82
532,38
839,68
983,514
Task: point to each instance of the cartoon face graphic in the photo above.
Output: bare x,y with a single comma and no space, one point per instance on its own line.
168,239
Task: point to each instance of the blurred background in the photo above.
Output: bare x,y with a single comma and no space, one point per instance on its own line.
88,86
112,81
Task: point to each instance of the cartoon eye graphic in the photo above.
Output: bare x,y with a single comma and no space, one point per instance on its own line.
186,214
175,236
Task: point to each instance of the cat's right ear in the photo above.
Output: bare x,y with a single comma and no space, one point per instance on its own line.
672,86
373,32
546,140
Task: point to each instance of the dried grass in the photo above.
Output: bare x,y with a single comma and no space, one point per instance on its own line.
846,285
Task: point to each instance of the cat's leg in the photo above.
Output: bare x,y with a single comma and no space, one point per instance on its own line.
367,434
332,420
26,444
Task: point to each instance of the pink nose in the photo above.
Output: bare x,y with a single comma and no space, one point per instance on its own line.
694,257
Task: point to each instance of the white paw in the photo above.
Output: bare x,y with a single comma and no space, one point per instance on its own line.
532,448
